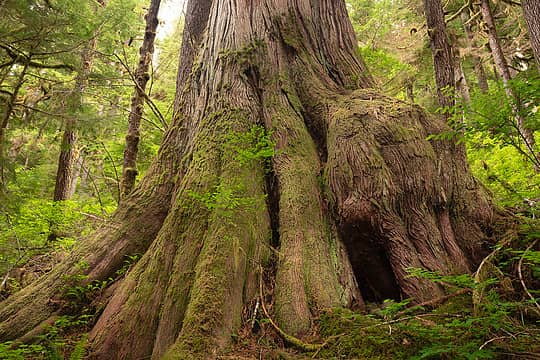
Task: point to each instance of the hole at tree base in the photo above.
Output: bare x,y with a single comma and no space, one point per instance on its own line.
369,262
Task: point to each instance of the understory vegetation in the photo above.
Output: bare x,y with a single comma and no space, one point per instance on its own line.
493,313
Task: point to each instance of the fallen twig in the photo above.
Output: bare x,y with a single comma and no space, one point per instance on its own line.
435,301
520,263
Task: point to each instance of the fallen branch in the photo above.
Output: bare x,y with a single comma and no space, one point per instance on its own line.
435,301
491,340
520,264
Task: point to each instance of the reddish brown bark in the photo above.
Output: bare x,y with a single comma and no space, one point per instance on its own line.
339,193
66,161
194,26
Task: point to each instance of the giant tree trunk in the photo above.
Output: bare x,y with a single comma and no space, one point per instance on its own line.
129,169
352,197
525,133
531,10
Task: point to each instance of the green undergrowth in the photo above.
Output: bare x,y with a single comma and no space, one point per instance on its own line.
65,339
451,331
494,315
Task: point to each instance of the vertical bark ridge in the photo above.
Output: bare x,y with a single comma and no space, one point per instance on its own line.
302,226
197,12
344,162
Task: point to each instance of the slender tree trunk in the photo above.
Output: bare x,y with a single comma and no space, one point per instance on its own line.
334,217
477,61
66,161
409,90
494,44
79,162
10,104
68,147
525,133
442,53
129,169
461,81
531,11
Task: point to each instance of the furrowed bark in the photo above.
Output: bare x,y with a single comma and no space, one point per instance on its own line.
340,207
66,161
196,19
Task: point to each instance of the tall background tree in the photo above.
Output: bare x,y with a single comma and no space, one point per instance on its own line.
69,153
141,77
531,10
443,60
525,133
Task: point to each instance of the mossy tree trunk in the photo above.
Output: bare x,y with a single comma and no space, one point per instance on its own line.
352,196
